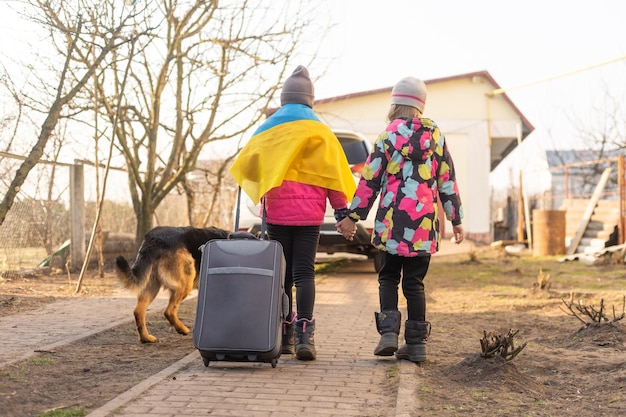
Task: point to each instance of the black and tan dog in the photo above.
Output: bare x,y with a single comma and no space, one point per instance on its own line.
168,258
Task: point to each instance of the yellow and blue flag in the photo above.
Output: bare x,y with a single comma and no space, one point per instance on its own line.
292,144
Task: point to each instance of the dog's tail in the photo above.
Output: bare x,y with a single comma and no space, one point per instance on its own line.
127,276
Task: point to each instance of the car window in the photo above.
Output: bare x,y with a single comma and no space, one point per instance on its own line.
355,149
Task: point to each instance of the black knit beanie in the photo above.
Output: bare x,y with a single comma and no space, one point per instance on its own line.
298,88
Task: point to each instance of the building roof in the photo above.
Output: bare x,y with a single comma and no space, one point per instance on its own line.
578,159
527,126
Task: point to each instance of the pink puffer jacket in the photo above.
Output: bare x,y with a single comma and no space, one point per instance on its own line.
296,204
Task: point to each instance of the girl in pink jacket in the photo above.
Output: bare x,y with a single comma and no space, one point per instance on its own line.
293,164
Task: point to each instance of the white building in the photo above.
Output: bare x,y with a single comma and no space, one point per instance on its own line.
480,123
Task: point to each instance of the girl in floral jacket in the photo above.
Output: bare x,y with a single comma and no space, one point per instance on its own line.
412,170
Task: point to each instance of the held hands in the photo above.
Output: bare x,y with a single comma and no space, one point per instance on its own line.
347,228
459,234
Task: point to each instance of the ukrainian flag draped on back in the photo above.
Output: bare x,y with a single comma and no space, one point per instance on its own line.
292,144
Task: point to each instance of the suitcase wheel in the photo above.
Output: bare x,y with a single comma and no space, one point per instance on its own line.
206,361
274,362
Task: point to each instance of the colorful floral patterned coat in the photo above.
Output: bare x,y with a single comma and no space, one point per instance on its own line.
411,168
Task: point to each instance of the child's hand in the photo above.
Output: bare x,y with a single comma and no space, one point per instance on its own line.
459,234
347,228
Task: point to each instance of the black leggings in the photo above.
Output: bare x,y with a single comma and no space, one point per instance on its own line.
300,247
412,270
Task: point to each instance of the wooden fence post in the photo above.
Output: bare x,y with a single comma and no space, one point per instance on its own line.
77,213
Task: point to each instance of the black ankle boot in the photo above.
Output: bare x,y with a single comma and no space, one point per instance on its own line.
416,335
288,344
388,325
305,342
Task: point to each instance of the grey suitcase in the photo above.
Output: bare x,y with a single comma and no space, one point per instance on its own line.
241,300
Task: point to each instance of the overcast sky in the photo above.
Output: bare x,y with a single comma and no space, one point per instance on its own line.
520,43
527,46
551,55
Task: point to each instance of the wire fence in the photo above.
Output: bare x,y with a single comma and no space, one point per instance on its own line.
37,230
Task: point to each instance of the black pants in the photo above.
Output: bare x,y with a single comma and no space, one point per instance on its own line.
411,271
300,247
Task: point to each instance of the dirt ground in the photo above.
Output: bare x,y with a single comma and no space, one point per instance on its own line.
89,372
568,367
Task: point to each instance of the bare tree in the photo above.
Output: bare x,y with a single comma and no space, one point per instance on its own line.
205,75
609,132
11,117
168,76
69,25
603,131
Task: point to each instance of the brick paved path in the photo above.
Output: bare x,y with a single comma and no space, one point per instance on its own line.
345,380
42,329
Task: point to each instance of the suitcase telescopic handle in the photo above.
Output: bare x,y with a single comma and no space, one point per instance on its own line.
237,209
263,220
238,213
